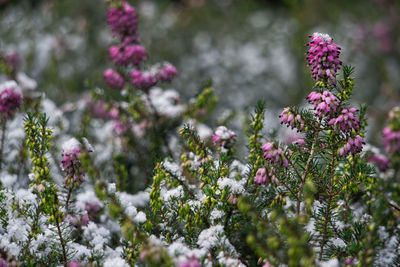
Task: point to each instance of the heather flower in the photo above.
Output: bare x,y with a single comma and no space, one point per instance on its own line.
122,20
391,133
349,260
291,119
72,220
13,59
127,54
143,80
232,199
3,263
261,176
381,161
353,146
74,264
299,142
114,79
120,128
275,155
114,112
223,137
84,219
191,262
324,103
97,108
323,58
391,140
92,208
346,121
10,101
167,73
70,163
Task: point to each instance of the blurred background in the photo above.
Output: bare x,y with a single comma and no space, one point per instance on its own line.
252,50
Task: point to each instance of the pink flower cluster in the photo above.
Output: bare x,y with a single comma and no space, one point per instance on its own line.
70,163
126,55
167,73
391,140
143,79
323,57
10,101
324,103
146,79
381,161
223,137
262,177
120,128
275,155
353,146
291,119
114,79
122,20
191,262
346,121
78,220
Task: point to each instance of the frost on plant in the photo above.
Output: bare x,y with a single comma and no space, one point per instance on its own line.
132,175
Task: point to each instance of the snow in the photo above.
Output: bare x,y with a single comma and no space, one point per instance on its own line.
26,82
140,217
115,262
208,238
8,180
10,84
324,36
97,236
166,102
111,188
131,211
236,187
330,263
70,145
172,193
140,199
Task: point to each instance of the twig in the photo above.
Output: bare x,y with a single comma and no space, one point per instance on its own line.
56,218
3,137
306,170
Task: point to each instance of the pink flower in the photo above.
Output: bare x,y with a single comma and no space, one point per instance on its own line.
13,59
291,119
391,140
85,219
346,121
353,146
74,264
10,101
275,155
120,128
143,80
114,79
223,137
381,161
123,21
71,164
127,54
323,58
191,262
325,103
261,176
167,73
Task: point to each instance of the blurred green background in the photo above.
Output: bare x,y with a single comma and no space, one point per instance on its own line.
251,49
